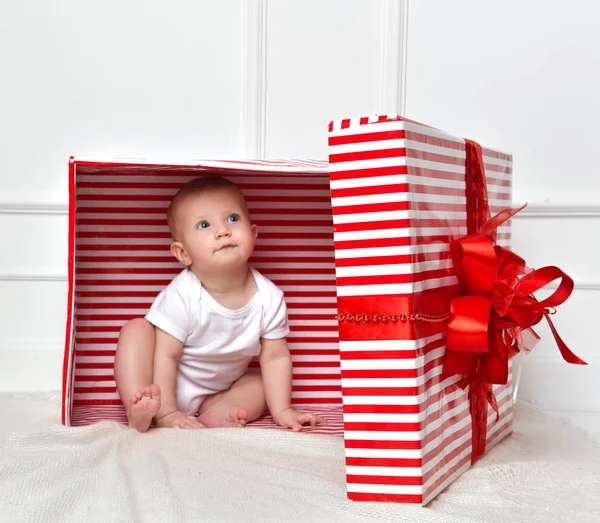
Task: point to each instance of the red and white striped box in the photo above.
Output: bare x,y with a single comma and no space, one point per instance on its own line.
119,260
398,199
397,189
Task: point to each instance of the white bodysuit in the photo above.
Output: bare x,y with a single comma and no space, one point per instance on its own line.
218,343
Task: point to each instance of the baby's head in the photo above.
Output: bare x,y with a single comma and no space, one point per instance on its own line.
210,225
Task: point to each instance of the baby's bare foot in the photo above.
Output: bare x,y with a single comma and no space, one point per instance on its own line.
224,416
143,407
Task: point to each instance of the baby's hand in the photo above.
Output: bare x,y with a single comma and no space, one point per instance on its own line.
179,420
294,419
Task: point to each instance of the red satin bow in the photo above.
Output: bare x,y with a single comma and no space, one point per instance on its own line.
493,320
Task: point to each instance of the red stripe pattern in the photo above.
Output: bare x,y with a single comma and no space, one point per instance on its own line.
398,199
332,414
121,261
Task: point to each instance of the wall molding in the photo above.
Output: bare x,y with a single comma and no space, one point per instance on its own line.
254,80
587,284
394,31
32,344
33,208
37,276
533,210
573,210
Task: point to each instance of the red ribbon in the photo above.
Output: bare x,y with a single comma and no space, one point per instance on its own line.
493,319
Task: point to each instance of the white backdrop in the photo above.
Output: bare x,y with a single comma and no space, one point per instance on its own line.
257,78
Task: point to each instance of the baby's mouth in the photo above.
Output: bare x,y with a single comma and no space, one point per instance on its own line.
226,246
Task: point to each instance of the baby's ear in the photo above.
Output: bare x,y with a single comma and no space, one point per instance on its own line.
254,229
179,252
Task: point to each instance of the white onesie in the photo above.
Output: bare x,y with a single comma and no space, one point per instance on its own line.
218,343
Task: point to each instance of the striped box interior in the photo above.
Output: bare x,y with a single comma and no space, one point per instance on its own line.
120,243
398,195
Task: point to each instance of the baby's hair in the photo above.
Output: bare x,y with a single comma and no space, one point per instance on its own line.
197,185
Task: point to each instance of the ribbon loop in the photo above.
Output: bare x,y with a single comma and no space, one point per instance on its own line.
474,257
468,326
542,277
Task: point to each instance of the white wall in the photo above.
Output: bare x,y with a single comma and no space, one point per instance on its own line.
114,79
523,76
245,79
319,68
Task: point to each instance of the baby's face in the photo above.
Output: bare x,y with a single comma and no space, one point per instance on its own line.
215,230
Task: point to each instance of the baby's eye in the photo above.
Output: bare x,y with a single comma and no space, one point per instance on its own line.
203,225
233,218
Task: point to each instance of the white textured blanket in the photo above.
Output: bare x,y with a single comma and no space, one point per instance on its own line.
546,471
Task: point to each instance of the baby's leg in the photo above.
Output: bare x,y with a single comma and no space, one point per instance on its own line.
134,372
243,402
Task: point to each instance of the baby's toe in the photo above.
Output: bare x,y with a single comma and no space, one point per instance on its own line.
154,390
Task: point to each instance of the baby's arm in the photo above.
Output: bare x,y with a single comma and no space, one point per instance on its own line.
167,352
276,367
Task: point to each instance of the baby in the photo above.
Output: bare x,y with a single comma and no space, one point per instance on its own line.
186,363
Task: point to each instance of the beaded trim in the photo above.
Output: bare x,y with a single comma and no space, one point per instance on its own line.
394,318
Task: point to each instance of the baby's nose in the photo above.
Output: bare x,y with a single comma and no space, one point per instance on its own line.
223,231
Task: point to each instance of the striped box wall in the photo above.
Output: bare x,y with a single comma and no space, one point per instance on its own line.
398,197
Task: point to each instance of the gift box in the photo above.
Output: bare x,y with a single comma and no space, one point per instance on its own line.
400,196
404,304
119,260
